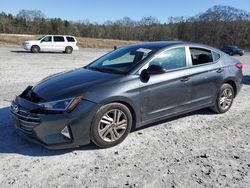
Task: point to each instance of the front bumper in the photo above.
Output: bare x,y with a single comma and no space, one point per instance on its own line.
26,46
46,129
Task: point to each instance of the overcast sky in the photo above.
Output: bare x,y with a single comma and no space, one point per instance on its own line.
102,10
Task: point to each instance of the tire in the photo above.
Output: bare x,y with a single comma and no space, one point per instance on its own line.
224,99
68,50
105,131
35,49
231,53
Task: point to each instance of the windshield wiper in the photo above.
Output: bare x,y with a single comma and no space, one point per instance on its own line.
95,68
107,70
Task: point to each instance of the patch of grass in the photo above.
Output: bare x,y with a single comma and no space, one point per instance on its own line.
82,41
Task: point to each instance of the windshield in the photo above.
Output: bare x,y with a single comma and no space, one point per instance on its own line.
121,60
40,38
235,47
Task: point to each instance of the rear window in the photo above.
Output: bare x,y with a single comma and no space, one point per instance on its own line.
201,56
216,56
70,39
58,39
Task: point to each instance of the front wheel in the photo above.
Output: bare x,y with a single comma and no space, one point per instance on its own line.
224,99
111,125
35,49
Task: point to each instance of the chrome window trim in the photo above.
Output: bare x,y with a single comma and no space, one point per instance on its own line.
205,48
145,66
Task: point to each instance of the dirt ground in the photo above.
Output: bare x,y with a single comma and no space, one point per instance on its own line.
199,149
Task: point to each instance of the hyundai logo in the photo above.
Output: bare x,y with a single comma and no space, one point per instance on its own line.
15,108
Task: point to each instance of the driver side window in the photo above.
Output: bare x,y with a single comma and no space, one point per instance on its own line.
171,59
47,39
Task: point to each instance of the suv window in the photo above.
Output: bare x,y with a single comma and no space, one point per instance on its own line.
171,59
47,39
58,39
70,39
201,56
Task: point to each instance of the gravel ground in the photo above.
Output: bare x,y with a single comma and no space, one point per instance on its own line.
199,149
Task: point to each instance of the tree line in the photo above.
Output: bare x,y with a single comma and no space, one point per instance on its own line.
218,26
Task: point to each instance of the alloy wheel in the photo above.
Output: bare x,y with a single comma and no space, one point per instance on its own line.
226,99
112,125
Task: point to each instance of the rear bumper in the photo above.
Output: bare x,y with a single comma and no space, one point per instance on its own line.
75,48
46,129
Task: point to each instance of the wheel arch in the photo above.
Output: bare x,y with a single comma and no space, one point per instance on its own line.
128,104
233,84
132,111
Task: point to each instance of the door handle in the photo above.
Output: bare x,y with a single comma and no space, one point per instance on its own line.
220,70
185,79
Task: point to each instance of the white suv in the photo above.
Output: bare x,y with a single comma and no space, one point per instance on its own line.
52,43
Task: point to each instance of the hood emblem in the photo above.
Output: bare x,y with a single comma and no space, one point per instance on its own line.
15,108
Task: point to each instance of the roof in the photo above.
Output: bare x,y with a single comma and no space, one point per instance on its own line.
157,44
163,44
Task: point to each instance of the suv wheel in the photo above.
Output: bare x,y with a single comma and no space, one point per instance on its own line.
224,100
68,50
111,125
35,49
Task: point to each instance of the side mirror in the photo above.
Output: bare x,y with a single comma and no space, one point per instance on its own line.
152,69
155,69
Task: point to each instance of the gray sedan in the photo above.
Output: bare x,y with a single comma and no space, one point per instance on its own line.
125,89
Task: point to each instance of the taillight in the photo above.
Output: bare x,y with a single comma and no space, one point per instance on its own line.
239,66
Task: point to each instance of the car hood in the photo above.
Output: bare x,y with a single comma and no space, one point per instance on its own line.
70,84
32,41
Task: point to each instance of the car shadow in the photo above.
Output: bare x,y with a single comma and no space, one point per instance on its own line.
20,51
11,142
246,80
204,111
23,51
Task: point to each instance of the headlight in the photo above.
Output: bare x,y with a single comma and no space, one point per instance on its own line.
61,105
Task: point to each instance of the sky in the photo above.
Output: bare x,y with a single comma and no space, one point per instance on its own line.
101,10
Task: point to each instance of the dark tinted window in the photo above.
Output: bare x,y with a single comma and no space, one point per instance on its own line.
200,56
58,39
216,56
171,59
70,39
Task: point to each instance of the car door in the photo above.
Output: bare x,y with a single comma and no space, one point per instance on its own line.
59,43
46,43
206,74
167,93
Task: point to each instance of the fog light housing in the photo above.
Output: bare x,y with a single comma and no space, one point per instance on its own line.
65,132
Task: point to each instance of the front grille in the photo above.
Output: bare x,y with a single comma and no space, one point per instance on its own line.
27,121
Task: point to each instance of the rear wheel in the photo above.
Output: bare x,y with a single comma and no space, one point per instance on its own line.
111,125
224,100
68,50
35,49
